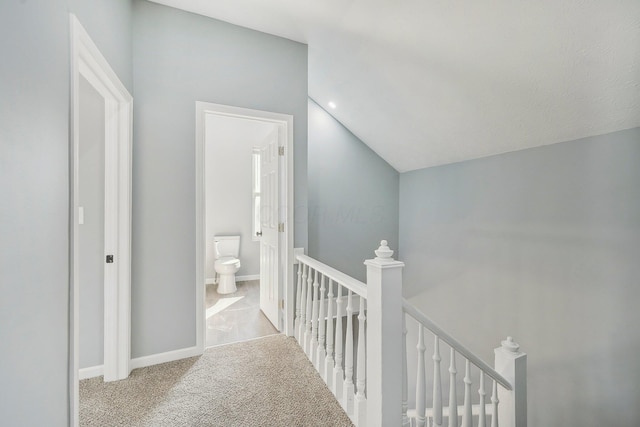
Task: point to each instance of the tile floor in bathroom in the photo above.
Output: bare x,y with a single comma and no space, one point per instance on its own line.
237,316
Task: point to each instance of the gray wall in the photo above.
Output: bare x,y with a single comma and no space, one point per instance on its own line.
181,58
353,196
91,232
108,23
34,187
543,245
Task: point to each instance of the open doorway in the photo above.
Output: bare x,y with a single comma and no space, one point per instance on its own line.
100,218
243,205
233,151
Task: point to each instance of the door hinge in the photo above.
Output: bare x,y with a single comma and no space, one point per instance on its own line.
109,259
281,151
281,304
281,227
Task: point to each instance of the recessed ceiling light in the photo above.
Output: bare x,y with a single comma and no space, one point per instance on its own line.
332,104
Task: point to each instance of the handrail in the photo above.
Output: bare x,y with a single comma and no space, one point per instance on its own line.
337,276
440,333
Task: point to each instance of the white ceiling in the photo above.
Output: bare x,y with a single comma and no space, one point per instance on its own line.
430,82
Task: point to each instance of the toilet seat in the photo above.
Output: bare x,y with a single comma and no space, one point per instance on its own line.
228,262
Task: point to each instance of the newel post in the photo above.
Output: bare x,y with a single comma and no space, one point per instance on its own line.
384,339
511,363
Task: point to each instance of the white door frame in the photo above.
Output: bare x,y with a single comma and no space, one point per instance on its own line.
286,212
87,61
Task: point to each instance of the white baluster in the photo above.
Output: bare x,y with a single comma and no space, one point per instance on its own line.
314,322
437,384
467,420
328,361
320,355
405,380
421,381
347,395
296,323
303,307
307,330
453,397
361,401
482,421
338,376
495,401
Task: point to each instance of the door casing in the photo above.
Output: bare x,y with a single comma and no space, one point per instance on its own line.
86,60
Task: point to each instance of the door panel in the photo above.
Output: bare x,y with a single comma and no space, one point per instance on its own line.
269,242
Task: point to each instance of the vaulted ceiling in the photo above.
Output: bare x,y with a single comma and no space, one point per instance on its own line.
430,82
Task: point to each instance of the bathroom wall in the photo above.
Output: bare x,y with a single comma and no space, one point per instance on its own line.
228,185
91,233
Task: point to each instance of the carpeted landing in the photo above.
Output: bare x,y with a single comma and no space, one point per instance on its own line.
264,382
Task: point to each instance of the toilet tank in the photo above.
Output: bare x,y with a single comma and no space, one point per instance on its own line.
226,246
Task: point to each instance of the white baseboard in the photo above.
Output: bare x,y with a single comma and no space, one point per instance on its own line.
169,356
90,372
212,281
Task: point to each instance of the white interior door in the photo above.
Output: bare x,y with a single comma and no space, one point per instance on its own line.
269,218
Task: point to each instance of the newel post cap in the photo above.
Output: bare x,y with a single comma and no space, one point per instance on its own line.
383,252
510,345
383,257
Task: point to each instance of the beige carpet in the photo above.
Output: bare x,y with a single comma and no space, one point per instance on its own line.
264,382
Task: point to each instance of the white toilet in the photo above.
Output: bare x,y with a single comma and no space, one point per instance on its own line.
227,264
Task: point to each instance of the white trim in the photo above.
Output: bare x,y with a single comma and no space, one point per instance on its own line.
91,372
86,60
212,281
286,256
169,356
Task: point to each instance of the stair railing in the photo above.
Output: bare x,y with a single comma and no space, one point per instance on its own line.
363,358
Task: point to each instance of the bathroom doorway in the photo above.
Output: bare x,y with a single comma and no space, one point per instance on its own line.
244,191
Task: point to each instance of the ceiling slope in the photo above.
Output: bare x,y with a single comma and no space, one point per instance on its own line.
431,82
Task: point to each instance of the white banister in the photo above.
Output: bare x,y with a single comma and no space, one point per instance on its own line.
314,322
495,401
455,344
379,396
467,420
296,324
337,276
303,306
405,376
307,331
437,384
482,418
384,342
361,401
421,382
338,377
347,394
453,396
512,364
321,352
328,361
